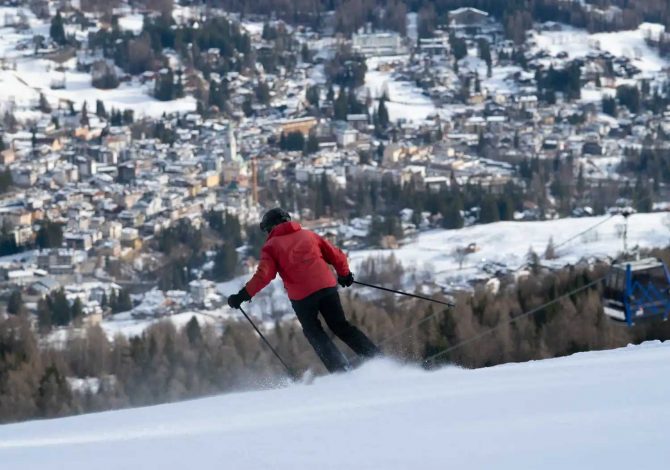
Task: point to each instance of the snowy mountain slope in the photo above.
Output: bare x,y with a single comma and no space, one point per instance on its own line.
592,410
25,75
430,258
507,243
576,42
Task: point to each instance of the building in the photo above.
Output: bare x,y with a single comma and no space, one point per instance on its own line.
378,44
467,17
230,154
303,124
57,261
438,45
346,137
201,289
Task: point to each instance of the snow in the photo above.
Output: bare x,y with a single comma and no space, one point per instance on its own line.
271,299
432,253
124,324
501,81
605,409
254,28
24,76
405,99
269,304
27,257
579,43
602,166
133,23
35,75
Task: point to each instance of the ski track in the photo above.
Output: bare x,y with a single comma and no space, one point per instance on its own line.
604,409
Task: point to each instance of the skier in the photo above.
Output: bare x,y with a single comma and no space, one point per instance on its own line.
301,257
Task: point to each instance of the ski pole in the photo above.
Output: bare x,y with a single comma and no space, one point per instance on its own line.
267,343
448,304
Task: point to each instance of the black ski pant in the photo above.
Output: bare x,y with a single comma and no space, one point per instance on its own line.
327,302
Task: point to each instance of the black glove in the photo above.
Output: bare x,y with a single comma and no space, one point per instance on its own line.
235,300
346,281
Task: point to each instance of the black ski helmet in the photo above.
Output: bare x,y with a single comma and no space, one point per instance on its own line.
274,217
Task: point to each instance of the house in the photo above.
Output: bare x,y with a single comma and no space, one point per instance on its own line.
462,17
45,285
346,137
211,179
377,44
438,45
57,261
303,124
130,238
7,156
128,172
131,218
358,121
78,240
15,216
435,184
24,177
200,290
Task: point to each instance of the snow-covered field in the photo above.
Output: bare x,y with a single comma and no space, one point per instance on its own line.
579,43
606,410
34,76
271,300
23,75
508,243
405,99
125,324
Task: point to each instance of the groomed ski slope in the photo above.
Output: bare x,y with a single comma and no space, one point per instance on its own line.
606,410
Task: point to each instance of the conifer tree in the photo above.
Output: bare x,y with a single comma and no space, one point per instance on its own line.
44,315
341,106
382,112
56,30
45,107
60,308
77,309
53,395
550,251
123,301
84,115
15,304
100,110
49,235
225,263
193,331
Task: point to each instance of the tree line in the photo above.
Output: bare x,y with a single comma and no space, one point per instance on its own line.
517,16
186,249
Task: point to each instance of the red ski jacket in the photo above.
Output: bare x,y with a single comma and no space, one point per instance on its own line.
301,257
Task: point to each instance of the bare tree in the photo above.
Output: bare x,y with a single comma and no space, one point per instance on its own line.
140,55
550,251
460,254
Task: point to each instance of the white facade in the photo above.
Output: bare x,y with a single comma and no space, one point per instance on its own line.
231,147
377,44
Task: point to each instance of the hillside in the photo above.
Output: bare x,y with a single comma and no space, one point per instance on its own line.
430,258
591,410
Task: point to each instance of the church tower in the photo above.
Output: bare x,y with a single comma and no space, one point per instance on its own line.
231,146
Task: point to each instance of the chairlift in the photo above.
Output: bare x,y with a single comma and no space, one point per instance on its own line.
637,290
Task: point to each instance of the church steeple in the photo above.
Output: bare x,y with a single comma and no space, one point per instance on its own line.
231,146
